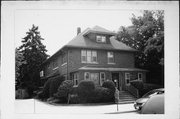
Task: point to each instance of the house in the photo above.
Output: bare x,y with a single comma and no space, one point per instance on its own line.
95,55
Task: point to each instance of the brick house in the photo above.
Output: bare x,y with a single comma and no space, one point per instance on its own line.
94,54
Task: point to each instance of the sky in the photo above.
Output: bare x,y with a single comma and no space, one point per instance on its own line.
58,27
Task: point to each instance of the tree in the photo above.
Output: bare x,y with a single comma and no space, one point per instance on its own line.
147,36
34,53
19,60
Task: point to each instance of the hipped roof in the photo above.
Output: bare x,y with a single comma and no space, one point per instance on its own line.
81,41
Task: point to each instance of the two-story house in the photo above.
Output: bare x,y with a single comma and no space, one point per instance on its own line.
95,55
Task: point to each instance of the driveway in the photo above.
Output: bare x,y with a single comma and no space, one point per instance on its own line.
31,106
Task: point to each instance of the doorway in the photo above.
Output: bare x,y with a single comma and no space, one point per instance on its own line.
116,80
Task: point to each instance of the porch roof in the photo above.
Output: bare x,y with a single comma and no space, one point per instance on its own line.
111,69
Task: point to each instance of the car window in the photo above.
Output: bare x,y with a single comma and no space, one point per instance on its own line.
149,93
152,93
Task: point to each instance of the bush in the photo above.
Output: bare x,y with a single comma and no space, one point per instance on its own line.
85,91
50,87
45,92
111,86
137,84
143,87
100,94
148,87
55,83
63,90
22,94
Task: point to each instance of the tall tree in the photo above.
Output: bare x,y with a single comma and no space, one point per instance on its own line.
146,35
34,53
19,60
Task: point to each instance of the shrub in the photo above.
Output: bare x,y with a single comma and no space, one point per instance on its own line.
45,92
111,86
64,89
148,87
55,83
50,87
100,94
137,84
85,91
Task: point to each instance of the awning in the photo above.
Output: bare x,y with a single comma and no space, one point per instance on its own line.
111,69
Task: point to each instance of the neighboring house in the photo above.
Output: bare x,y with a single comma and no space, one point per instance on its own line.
95,55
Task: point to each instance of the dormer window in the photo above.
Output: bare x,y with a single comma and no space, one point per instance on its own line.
101,39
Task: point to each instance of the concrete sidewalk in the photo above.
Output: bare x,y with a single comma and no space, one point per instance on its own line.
31,106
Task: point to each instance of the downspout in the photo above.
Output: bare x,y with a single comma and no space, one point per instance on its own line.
67,63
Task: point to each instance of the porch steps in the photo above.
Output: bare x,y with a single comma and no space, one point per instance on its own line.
126,97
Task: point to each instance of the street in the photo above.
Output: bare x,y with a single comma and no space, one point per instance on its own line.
32,106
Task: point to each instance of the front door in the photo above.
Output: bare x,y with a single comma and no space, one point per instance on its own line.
116,80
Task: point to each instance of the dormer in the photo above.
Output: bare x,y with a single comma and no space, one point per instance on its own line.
99,35
101,39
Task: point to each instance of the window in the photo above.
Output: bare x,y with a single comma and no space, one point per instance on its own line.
102,77
83,56
127,79
95,78
75,79
86,75
101,39
94,56
110,57
41,73
64,58
88,56
92,76
139,76
55,65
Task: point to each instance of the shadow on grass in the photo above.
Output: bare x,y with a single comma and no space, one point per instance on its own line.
124,112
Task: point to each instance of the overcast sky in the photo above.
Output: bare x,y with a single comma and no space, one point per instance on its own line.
58,27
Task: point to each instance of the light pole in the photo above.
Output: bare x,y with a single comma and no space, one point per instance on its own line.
116,95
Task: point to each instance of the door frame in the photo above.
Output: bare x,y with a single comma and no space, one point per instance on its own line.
119,80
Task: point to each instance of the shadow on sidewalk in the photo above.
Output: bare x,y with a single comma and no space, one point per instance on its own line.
123,112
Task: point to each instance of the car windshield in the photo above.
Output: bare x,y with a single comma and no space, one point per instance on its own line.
153,92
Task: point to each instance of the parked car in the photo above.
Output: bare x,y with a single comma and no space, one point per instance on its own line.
141,101
155,105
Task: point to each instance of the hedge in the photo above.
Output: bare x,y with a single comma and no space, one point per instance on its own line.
63,90
55,83
111,86
50,87
85,91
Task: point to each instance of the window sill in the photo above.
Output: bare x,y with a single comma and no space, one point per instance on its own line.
112,63
55,68
90,62
64,64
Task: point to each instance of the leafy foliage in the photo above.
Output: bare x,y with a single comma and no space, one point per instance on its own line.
146,35
54,85
111,86
64,89
85,90
19,61
34,54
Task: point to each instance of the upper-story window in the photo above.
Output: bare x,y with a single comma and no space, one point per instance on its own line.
88,56
101,39
110,56
55,65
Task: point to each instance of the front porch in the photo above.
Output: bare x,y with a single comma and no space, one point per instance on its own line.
120,76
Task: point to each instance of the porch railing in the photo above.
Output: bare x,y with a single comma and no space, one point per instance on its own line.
132,90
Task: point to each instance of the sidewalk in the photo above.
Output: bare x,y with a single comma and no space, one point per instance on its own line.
32,106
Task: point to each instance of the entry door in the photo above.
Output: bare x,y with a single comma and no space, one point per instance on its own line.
116,80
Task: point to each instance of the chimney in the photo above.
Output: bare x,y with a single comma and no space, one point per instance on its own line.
78,30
